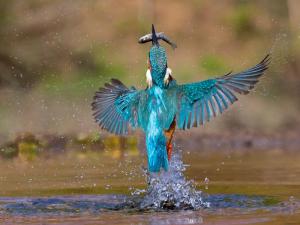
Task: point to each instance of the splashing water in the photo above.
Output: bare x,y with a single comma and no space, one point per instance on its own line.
171,190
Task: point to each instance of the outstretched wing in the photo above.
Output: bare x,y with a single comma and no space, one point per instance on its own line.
115,106
199,102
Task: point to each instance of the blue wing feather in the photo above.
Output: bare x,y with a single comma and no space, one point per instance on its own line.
200,101
114,107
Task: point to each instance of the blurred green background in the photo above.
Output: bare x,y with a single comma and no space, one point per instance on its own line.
54,54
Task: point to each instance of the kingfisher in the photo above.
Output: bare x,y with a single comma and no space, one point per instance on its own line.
164,105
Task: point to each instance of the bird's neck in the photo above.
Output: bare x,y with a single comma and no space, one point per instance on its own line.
158,75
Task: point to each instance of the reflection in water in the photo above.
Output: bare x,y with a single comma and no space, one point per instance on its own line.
182,217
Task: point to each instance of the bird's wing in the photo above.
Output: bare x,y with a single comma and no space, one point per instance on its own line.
199,102
115,107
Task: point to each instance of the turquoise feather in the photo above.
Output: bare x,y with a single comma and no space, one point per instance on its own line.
158,61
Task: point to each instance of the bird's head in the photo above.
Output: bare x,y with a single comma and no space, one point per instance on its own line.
157,54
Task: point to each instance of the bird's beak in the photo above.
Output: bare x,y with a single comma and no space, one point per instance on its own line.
154,37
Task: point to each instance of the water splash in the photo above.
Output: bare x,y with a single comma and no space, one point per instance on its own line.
171,190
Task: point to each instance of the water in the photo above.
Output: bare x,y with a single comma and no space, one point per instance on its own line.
120,209
233,187
95,204
171,190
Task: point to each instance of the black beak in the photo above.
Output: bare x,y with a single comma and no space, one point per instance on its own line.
154,37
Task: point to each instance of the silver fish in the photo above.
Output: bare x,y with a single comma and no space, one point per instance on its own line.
160,36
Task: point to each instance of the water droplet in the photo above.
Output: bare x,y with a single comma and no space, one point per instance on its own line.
291,199
206,182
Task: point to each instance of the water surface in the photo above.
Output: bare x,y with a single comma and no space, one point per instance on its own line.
242,187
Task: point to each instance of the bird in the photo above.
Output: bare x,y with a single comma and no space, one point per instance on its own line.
157,62
164,105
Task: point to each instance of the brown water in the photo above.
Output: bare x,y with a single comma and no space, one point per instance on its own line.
97,177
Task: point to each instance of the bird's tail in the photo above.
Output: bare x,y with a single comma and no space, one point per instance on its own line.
156,149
